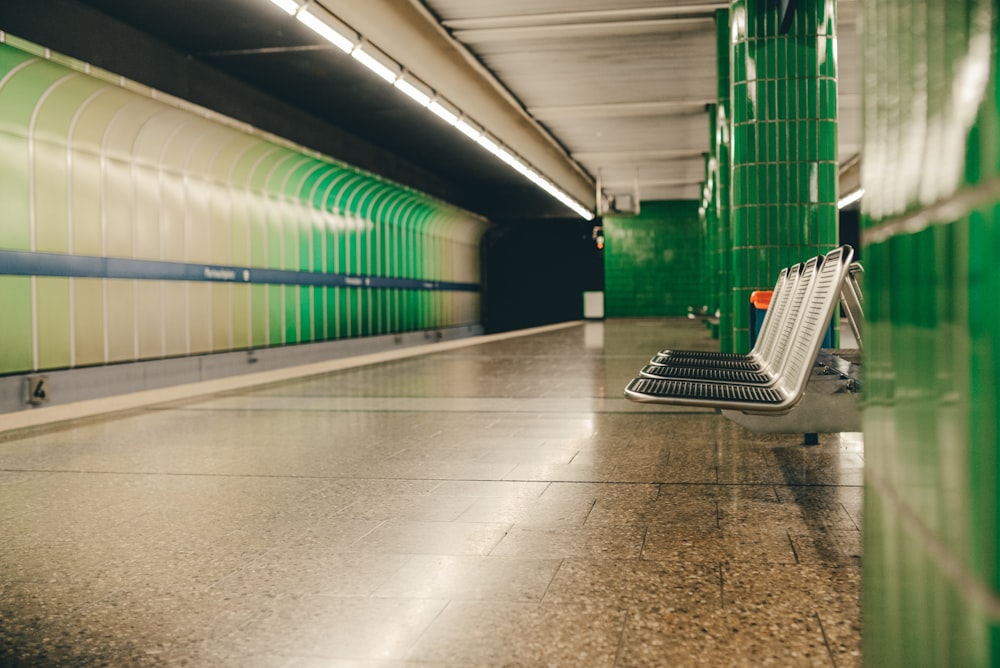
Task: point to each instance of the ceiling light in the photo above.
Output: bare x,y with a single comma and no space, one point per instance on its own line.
850,198
488,144
467,130
324,30
412,92
512,160
376,66
290,6
443,112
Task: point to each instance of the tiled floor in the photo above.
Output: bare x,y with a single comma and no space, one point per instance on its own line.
493,505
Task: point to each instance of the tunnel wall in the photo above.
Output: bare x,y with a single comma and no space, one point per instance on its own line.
137,226
535,272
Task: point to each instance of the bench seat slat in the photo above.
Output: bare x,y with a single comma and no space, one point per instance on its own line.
699,354
706,363
647,389
726,375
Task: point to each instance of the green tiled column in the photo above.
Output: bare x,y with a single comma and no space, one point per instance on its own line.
709,211
721,141
931,246
784,105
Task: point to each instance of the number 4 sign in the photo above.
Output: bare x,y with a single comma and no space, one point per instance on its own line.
37,389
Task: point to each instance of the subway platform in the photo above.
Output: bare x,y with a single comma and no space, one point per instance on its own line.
495,503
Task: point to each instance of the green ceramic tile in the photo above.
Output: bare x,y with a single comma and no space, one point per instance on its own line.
88,321
651,252
222,317
16,353
240,317
149,319
290,295
120,318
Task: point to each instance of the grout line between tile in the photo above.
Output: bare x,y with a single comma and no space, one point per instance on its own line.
551,580
952,568
791,542
416,641
716,458
826,641
850,517
722,587
510,527
621,639
360,538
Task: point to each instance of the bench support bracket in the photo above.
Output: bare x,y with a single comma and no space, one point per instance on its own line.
828,406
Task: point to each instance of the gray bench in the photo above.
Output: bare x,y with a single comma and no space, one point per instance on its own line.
752,361
784,372
760,365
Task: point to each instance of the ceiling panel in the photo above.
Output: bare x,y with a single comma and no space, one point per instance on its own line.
606,70
664,132
451,10
622,85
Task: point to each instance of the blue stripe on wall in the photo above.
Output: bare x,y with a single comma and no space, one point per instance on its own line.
25,263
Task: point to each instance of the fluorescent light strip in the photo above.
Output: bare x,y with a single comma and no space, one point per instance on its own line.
412,92
289,6
442,113
324,30
533,176
512,161
383,71
488,144
369,61
850,198
467,130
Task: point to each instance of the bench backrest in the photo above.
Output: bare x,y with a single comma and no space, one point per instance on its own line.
815,318
851,299
784,338
776,311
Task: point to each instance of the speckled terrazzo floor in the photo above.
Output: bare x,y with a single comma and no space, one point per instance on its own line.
493,505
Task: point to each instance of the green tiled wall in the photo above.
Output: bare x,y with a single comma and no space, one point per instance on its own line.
784,105
95,166
931,235
652,266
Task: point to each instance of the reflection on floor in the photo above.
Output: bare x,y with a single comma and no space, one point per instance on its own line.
497,504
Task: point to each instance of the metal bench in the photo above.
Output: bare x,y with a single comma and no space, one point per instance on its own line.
798,343
851,299
753,361
764,362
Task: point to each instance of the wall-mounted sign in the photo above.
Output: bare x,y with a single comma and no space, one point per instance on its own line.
37,390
